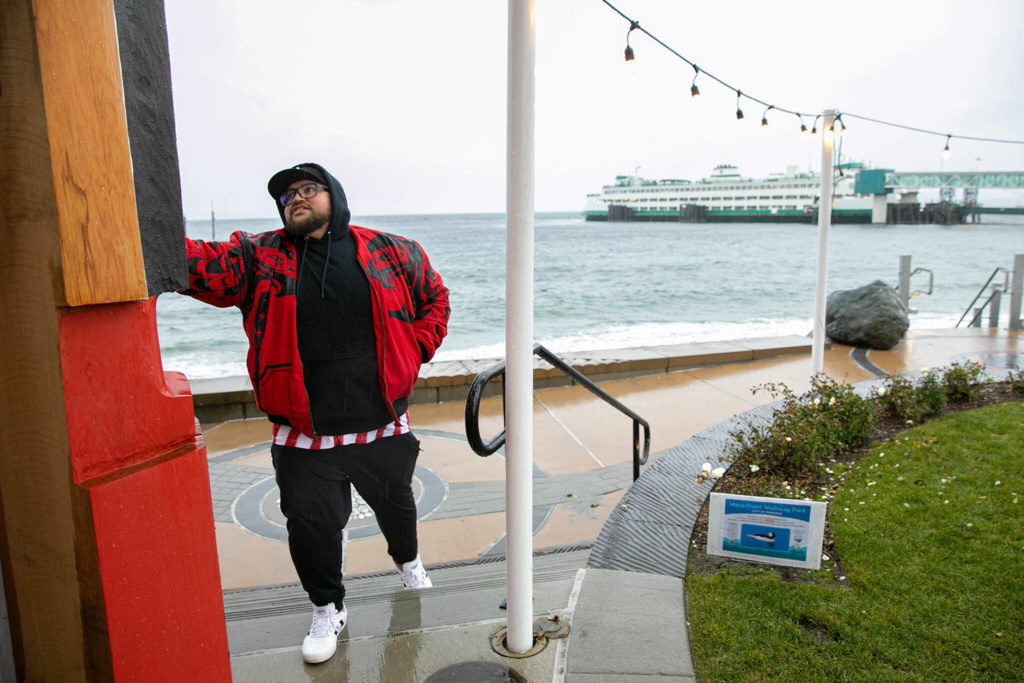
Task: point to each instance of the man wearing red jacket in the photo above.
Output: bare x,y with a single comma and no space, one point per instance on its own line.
339,319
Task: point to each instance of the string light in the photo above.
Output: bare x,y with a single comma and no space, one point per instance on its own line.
945,152
803,127
764,116
694,91
629,51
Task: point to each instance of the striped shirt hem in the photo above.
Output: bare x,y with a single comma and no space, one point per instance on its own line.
286,435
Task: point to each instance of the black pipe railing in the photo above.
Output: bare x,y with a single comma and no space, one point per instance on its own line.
476,391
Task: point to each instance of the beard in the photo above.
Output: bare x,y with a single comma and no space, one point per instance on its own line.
303,226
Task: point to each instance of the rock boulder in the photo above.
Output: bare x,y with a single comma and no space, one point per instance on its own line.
871,316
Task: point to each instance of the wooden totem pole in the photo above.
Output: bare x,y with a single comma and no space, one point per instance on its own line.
106,528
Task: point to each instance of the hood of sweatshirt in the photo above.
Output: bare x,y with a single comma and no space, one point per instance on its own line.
340,213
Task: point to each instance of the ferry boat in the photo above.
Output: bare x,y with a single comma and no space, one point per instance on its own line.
726,196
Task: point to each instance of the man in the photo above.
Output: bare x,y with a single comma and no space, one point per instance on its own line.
339,319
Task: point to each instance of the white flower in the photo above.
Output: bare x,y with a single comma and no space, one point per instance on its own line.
706,468
906,505
969,525
754,468
881,391
717,472
817,400
789,438
925,371
998,483
824,557
832,401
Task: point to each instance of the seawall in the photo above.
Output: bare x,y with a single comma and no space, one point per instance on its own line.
231,398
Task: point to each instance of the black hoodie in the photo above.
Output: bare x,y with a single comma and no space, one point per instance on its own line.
334,317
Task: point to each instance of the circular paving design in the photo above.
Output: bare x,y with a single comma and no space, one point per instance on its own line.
997,360
258,510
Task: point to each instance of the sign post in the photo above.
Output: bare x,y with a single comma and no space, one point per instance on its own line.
824,221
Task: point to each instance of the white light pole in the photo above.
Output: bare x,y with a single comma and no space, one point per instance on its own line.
519,326
824,220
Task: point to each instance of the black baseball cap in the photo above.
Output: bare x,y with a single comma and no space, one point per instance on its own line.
280,181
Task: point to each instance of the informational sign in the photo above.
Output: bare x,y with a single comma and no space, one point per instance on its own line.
771,530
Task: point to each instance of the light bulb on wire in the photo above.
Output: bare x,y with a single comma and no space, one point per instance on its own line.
739,112
764,116
629,50
694,90
803,126
945,152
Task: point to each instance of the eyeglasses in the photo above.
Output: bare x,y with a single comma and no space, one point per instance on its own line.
307,191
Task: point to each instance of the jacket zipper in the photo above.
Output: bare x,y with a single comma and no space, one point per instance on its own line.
305,391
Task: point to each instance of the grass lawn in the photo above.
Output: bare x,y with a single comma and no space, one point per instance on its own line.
929,534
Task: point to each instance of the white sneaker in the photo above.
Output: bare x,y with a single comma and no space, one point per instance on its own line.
321,642
414,575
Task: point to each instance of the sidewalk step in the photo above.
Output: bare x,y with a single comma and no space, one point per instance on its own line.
273,617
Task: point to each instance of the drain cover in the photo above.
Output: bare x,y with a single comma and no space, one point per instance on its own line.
475,671
551,628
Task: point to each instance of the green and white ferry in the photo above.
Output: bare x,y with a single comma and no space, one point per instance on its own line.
726,196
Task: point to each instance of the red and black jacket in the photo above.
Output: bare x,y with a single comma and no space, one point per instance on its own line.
257,274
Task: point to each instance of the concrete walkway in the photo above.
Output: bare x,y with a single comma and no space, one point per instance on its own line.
626,611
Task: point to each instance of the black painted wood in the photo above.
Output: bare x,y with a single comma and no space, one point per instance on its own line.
146,75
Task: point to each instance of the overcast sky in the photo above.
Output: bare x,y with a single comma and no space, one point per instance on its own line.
404,100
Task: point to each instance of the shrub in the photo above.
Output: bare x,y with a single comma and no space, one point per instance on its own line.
961,381
1017,381
805,429
909,401
842,410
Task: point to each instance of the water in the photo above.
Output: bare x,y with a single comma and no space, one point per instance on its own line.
615,285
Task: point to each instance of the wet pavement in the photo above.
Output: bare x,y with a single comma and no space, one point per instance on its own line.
625,607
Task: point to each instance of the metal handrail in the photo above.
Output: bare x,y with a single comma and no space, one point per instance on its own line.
476,391
976,318
1006,287
931,280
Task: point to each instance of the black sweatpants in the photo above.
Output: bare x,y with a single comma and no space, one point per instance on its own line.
316,499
